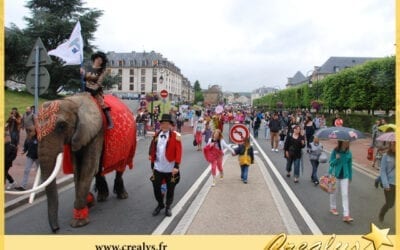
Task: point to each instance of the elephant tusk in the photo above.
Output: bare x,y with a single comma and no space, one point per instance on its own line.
44,184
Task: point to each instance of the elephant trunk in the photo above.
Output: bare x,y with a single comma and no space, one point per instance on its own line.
52,205
47,159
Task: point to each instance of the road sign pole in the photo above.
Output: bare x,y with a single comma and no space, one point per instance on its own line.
37,55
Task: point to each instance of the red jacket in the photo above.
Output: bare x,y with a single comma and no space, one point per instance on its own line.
173,152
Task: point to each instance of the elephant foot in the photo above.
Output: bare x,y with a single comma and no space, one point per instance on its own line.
119,188
55,229
101,197
79,222
90,201
122,195
81,217
101,188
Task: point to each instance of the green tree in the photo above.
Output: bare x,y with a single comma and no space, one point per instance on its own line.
53,22
198,92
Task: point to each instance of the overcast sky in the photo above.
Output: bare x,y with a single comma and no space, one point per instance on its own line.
241,44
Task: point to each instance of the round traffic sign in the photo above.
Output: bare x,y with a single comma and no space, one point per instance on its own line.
164,93
239,133
44,80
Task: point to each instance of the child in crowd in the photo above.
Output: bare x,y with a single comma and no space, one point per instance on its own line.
246,157
207,132
315,151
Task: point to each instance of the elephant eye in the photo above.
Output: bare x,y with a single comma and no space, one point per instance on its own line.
60,127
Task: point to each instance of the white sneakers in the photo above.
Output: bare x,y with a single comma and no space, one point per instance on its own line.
213,183
274,150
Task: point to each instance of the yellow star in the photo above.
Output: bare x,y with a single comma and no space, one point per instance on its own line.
378,236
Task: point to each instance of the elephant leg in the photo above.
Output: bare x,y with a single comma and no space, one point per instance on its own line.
119,188
101,187
85,170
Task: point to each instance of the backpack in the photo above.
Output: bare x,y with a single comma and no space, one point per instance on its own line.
245,159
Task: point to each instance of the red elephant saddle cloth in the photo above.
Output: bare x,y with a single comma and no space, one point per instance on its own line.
120,141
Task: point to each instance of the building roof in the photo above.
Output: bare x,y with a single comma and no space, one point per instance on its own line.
335,64
140,59
297,78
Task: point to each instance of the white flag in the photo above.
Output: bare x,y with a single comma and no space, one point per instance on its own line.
72,50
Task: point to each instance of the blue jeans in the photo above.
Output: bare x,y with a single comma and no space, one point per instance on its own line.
266,135
244,169
314,164
296,163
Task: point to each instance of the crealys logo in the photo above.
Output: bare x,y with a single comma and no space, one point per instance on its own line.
373,240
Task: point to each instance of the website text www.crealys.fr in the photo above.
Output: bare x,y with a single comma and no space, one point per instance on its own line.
142,246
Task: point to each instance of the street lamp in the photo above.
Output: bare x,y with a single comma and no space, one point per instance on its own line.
154,82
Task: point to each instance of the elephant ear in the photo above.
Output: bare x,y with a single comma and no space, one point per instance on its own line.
89,121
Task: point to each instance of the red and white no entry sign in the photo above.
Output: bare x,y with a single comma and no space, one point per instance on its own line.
239,133
164,93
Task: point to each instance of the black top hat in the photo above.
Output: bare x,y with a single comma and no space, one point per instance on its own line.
166,118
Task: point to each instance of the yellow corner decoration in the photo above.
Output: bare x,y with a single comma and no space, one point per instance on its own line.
378,236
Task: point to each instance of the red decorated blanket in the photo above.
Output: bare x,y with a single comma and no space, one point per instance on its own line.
119,142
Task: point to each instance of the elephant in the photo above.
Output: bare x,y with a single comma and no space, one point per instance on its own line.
76,126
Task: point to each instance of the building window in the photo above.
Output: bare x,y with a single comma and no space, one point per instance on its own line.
120,72
142,87
335,69
131,72
131,79
112,62
131,87
131,63
120,86
143,79
143,72
120,63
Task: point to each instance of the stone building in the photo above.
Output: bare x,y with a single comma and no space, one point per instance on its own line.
147,72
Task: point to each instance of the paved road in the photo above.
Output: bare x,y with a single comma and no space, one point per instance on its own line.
269,196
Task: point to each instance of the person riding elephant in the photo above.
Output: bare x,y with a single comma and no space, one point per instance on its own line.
74,125
93,77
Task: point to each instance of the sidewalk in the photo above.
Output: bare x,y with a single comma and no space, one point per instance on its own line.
232,207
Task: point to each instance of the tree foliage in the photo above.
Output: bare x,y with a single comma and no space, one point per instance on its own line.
198,92
370,86
53,22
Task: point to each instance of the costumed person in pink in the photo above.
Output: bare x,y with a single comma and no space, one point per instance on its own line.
217,141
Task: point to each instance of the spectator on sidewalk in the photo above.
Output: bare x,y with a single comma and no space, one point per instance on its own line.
388,179
341,166
31,151
10,153
28,119
13,125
